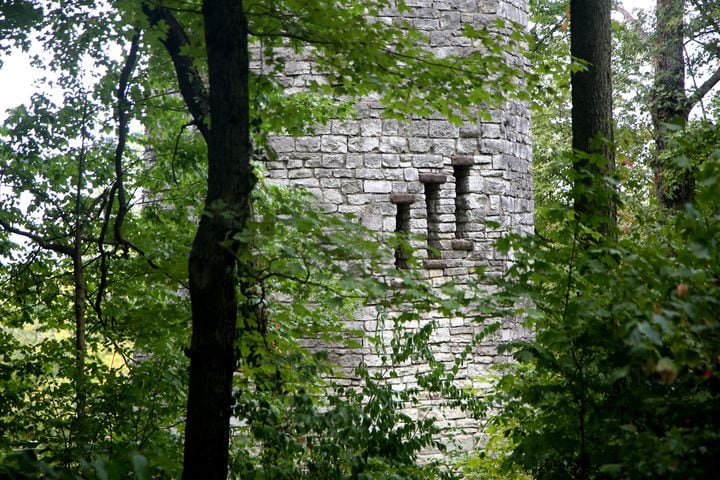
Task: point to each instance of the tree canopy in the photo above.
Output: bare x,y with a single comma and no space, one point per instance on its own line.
159,294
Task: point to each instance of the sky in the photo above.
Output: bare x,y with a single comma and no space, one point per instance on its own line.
16,81
17,76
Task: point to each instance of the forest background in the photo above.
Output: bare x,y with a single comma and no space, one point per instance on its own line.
621,380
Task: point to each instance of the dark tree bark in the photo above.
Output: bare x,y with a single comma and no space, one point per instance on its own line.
212,265
592,127
669,104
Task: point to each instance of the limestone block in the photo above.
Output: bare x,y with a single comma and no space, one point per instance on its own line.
390,160
443,146
307,144
354,161
333,161
390,144
410,174
313,161
343,173
371,127
359,198
332,196
306,182
393,174
345,127
375,186
369,173
334,144
467,146
419,145
351,186
373,160
390,127
427,161
300,173
363,144
442,129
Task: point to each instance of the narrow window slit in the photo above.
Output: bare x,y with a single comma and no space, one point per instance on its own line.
432,202
462,193
432,182
402,226
461,171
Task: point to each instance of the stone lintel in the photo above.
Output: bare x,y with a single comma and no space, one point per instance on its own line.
432,178
462,160
397,198
463,244
434,263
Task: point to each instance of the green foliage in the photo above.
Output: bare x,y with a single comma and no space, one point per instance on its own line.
688,147
299,414
621,379
17,17
391,60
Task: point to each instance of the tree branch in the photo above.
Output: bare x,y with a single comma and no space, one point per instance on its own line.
710,19
703,89
623,11
123,119
39,240
192,86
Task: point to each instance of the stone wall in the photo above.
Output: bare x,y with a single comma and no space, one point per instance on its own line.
425,176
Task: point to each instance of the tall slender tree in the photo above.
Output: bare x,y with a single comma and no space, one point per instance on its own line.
669,104
592,124
212,268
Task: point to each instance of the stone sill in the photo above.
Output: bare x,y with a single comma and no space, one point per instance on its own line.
463,244
434,263
462,160
398,198
432,178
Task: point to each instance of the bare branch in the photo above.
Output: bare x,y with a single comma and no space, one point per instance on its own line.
703,89
123,119
623,11
45,243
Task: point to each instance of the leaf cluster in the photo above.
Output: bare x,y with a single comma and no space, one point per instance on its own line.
622,377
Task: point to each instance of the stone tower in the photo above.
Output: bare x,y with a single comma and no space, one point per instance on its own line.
425,176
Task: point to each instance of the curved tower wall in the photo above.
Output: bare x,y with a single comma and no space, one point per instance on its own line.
441,181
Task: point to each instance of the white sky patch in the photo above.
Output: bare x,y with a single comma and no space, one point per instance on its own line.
17,78
639,4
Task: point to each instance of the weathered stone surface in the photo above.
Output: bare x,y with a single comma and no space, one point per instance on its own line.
462,244
434,264
375,186
369,166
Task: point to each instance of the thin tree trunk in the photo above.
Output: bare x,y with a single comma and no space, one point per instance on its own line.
669,105
212,265
592,127
78,430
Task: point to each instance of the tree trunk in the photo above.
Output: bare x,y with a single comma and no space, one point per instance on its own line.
78,429
669,104
212,265
592,128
